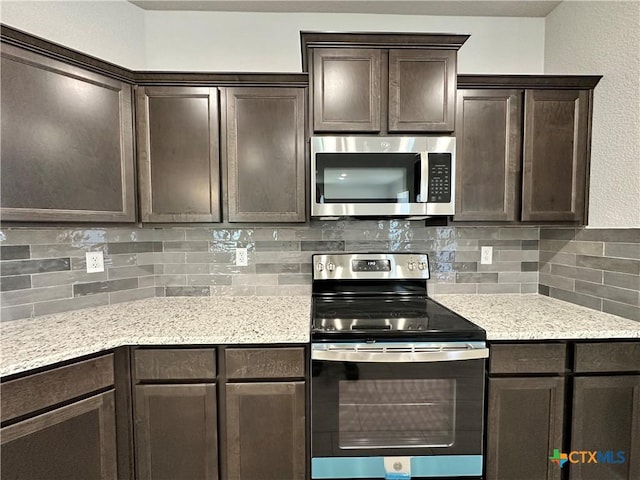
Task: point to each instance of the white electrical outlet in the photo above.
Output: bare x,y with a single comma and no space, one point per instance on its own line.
486,255
95,262
241,257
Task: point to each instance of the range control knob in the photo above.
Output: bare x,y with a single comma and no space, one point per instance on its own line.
422,265
412,266
320,267
331,267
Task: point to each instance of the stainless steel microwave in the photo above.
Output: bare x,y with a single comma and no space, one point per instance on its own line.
407,177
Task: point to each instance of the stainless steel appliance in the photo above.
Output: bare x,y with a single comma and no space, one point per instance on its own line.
397,387
410,177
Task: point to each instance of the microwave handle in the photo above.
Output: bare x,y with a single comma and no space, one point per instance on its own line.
424,177
399,357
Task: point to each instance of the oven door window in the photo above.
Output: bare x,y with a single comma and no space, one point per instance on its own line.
368,177
396,413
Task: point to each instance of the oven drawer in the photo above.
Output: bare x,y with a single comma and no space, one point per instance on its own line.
274,362
528,358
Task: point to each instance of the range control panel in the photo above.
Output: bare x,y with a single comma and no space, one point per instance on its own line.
439,178
353,266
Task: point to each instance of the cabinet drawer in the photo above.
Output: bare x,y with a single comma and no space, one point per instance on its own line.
35,392
607,357
265,362
527,358
175,364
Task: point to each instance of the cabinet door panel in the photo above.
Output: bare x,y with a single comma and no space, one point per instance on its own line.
67,142
176,431
606,417
346,90
556,149
73,442
525,415
488,155
422,90
265,431
178,161
265,154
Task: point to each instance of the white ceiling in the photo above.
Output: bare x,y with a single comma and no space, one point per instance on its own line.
501,8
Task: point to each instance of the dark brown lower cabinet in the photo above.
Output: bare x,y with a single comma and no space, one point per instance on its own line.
77,441
524,424
176,432
265,428
606,419
528,401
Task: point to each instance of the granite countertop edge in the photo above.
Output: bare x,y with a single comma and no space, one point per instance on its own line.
43,341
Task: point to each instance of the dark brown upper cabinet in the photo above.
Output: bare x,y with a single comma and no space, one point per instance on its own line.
556,151
264,150
381,83
67,141
346,93
523,148
488,155
178,154
422,90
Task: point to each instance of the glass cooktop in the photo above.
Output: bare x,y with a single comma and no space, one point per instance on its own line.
388,316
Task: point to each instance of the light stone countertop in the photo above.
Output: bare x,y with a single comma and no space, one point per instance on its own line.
32,343
537,317
41,341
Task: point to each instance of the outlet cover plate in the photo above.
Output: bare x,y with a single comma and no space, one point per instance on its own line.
95,262
486,255
241,257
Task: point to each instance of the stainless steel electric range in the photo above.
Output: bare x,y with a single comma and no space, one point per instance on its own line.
397,388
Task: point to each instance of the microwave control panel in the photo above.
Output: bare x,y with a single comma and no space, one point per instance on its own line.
439,178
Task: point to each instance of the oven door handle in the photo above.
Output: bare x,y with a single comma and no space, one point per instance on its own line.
399,357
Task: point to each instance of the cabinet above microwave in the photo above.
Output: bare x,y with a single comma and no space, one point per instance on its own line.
381,83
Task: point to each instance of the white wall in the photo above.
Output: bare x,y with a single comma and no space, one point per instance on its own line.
604,38
270,42
122,33
111,30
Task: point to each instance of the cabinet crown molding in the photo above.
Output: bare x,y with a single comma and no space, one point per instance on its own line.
441,41
555,82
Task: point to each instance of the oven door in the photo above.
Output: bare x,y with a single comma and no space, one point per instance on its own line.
397,410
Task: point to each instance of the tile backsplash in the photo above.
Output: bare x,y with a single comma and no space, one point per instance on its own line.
43,271
599,269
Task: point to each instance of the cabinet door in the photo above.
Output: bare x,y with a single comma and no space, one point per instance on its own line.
178,160
488,155
346,89
422,90
176,431
525,415
77,441
67,142
606,418
556,152
265,431
265,154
